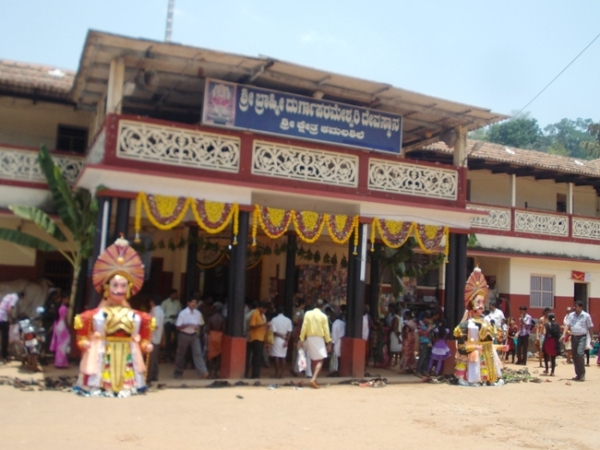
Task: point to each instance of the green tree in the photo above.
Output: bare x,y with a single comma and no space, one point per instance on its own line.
567,138
521,132
77,211
592,148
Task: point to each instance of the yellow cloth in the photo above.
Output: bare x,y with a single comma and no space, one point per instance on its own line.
315,324
256,334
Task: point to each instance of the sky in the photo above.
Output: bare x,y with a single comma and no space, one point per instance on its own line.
494,54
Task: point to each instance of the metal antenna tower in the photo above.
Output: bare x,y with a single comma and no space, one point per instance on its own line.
169,29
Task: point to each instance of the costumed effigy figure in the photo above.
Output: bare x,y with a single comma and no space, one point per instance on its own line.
477,361
113,337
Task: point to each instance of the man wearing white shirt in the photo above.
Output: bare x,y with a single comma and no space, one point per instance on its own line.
188,323
338,331
159,319
496,315
281,326
579,324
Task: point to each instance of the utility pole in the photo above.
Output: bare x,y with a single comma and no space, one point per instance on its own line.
169,29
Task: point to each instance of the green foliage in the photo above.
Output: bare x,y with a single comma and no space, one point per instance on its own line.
26,240
41,219
522,132
573,138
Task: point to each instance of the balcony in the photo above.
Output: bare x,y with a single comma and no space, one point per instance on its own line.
262,161
534,224
19,164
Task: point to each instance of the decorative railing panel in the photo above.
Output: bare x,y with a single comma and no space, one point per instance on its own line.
178,146
497,218
412,179
299,163
586,229
22,165
539,223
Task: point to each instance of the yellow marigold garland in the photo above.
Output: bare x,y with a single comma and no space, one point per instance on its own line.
431,232
384,230
214,211
164,204
341,221
312,223
279,218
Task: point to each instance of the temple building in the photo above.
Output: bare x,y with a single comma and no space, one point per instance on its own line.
251,179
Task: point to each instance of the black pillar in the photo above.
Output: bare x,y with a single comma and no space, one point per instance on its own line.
461,273
102,230
191,277
456,277
237,279
290,275
356,284
375,282
122,219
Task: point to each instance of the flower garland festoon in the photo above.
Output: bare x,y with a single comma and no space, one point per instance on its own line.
166,212
213,217
308,225
274,222
394,234
432,238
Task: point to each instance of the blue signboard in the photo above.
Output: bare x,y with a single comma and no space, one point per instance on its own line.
250,108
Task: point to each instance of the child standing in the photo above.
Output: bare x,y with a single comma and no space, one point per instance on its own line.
440,350
424,329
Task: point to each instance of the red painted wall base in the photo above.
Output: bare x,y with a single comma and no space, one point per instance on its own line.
352,361
233,357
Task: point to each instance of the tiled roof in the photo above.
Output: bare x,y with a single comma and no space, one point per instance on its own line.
520,157
34,79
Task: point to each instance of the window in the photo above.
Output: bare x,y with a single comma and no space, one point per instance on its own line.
71,139
541,293
561,203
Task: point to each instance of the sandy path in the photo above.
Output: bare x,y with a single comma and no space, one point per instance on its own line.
409,415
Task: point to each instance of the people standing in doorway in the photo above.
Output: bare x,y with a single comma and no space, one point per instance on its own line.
315,339
579,324
171,307
551,346
281,326
525,324
159,323
409,341
189,323
338,331
257,331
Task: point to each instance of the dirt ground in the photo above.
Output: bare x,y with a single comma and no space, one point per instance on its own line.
554,414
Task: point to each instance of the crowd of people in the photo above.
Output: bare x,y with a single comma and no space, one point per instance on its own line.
412,342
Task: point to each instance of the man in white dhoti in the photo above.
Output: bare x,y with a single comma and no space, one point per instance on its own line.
338,331
281,327
315,339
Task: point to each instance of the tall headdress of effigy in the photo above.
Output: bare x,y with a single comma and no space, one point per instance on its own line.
476,285
118,259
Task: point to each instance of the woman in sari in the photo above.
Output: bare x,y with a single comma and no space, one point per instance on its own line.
409,361
61,338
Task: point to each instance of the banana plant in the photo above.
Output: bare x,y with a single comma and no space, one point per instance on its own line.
73,235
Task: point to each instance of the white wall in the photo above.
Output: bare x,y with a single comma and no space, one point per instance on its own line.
488,188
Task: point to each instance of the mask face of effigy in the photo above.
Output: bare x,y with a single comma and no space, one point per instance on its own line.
117,290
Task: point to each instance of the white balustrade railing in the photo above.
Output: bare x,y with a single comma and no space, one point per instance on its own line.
22,165
178,146
540,223
497,218
412,179
299,163
586,229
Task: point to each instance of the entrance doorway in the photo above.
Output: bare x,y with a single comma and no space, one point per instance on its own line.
581,293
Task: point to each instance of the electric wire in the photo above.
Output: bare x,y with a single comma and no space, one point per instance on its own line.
556,77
